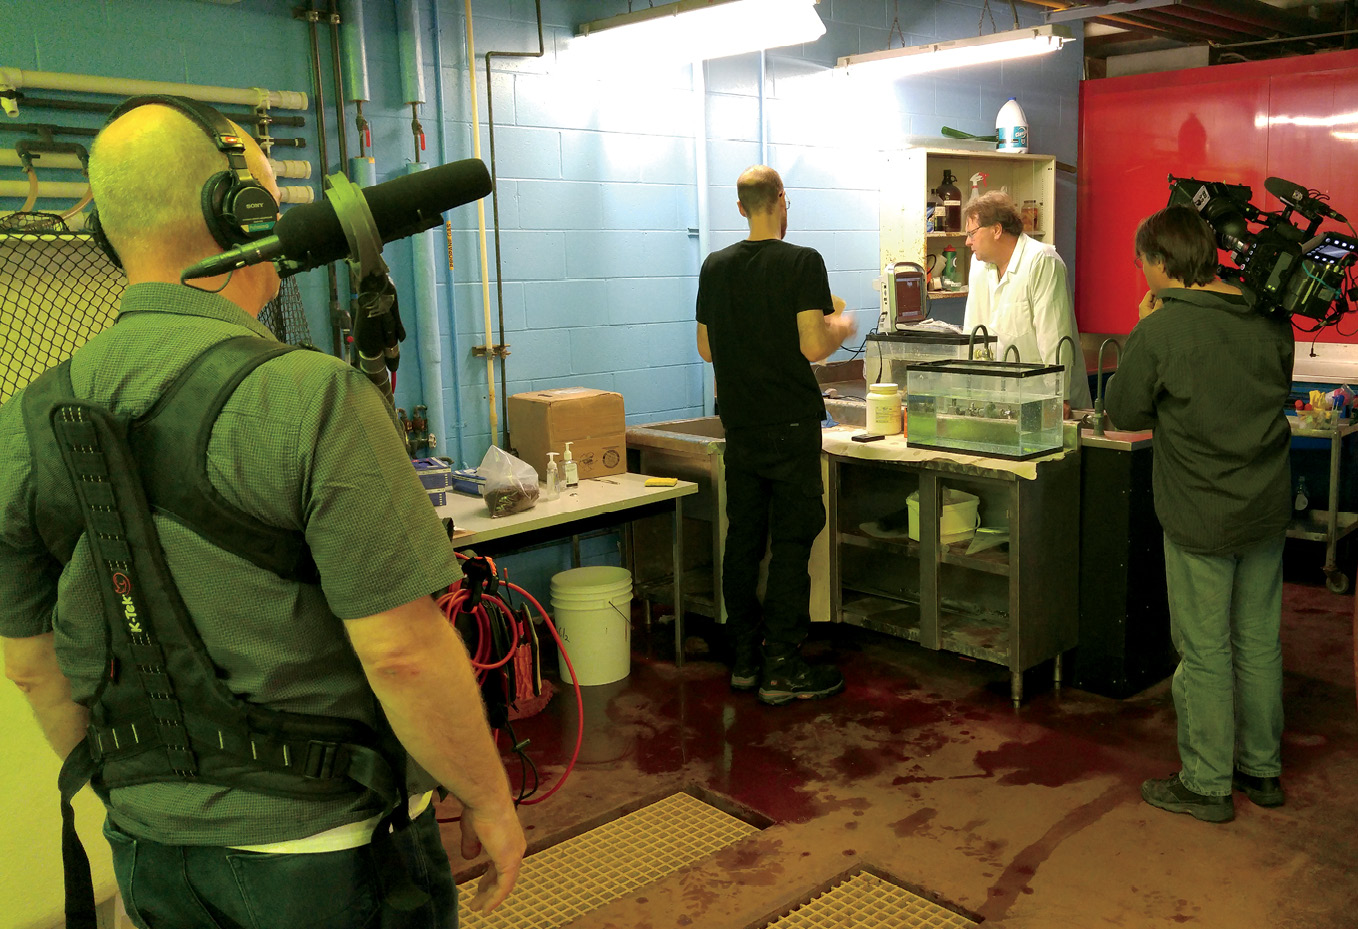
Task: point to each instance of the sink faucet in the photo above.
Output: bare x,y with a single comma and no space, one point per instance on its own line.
1098,403
971,343
1014,349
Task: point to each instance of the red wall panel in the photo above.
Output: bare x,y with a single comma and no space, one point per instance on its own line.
1235,123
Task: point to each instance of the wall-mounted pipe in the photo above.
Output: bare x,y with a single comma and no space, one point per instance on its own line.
704,213
423,263
354,42
481,232
25,101
47,190
10,159
408,40
337,72
453,446
495,200
73,190
17,79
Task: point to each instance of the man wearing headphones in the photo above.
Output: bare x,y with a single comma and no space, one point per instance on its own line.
304,447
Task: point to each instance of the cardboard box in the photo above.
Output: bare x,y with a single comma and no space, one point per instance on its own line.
591,420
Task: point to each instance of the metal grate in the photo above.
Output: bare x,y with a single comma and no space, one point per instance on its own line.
864,899
561,883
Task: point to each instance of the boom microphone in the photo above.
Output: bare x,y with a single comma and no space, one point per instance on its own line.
310,235
1299,197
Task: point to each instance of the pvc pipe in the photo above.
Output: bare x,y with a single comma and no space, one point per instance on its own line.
295,193
363,171
47,190
10,159
458,420
423,259
411,51
355,45
17,79
294,169
481,230
704,217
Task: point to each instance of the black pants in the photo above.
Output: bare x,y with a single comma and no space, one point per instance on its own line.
773,499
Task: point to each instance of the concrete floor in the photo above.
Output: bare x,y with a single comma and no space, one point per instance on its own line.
921,769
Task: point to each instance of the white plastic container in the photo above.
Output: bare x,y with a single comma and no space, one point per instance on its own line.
959,518
1011,129
884,416
592,609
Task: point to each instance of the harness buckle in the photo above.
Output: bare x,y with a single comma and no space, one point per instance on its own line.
321,758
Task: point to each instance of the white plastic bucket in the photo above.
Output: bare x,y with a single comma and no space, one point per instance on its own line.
956,523
592,609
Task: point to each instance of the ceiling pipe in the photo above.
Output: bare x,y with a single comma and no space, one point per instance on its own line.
1254,13
1183,28
1223,24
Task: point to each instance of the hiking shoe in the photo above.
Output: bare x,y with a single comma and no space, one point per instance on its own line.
790,678
745,671
1170,794
1262,791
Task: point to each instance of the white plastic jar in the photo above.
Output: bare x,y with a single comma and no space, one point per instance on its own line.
884,410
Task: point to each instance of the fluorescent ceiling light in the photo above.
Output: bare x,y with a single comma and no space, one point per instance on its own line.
700,29
959,53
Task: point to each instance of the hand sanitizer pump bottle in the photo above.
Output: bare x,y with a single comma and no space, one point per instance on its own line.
553,478
568,464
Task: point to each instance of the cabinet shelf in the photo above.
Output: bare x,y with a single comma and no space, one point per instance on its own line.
991,561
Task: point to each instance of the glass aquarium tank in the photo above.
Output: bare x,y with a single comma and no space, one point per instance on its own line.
994,408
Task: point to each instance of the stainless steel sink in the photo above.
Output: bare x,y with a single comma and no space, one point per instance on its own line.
691,450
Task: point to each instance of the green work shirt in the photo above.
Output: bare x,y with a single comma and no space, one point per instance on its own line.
307,443
1211,375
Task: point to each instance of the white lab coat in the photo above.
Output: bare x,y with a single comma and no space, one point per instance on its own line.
1029,307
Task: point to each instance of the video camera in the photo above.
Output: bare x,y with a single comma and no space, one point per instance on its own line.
1288,267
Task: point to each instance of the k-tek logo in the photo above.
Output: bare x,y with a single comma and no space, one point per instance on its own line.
122,586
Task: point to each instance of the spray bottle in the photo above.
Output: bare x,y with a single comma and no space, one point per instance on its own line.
977,182
553,478
568,465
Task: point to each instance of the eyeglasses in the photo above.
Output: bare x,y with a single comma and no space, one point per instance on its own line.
787,201
971,233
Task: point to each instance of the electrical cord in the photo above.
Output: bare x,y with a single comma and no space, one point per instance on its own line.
477,600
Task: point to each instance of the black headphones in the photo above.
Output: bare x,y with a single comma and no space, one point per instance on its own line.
238,209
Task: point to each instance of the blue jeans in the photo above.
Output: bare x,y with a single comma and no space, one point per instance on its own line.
773,503
193,886
1225,613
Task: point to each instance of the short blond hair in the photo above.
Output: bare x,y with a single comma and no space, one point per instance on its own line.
148,184
758,188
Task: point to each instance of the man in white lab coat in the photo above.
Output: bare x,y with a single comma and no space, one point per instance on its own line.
1019,291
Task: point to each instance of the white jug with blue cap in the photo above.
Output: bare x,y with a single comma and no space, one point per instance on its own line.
1011,129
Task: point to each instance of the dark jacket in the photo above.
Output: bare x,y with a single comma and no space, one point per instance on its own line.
1211,375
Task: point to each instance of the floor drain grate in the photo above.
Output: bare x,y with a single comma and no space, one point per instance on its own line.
567,880
864,899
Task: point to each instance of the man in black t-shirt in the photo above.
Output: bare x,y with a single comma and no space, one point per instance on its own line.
765,312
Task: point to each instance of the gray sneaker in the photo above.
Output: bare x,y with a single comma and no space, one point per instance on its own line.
1170,794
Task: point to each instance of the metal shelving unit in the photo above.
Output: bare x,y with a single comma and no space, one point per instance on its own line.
1331,524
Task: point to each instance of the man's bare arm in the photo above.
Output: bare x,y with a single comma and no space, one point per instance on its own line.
421,673
31,663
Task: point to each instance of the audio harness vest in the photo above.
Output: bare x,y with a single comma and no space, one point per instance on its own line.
161,713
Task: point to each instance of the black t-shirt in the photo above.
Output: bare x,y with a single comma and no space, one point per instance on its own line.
749,295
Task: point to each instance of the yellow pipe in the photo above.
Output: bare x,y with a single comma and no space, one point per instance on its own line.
481,229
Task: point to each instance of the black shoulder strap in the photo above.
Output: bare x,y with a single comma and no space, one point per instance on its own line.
55,512
170,445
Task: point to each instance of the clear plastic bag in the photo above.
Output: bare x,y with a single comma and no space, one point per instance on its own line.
511,484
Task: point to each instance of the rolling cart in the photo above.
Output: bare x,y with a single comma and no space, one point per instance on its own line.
1328,525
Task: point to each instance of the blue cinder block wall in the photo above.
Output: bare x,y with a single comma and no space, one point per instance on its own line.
596,167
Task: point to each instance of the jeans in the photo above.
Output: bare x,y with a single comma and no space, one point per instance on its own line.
773,502
1225,613
192,886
